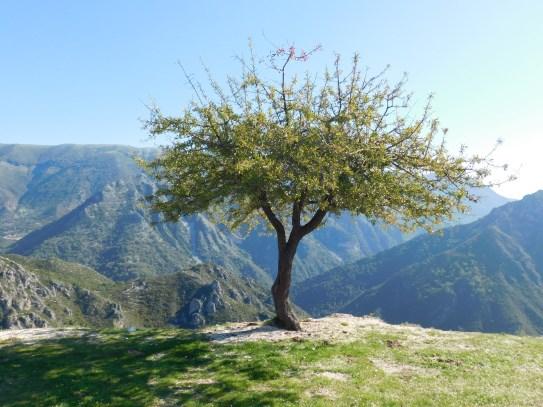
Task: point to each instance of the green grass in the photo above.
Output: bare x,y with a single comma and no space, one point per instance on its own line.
171,367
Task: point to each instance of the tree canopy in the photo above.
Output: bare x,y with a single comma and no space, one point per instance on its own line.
293,148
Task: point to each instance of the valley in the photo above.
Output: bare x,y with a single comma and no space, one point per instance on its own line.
85,205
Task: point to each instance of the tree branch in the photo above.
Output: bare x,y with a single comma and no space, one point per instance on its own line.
274,220
297,208
315,221
283,88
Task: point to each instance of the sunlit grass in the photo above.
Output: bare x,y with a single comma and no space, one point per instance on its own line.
179,367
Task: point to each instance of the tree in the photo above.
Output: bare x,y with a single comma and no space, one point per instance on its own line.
293,151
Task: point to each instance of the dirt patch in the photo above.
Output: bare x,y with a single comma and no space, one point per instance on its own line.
333,328
337,328
341,377
394,368
322,392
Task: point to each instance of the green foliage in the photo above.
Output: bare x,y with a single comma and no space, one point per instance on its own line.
180,368
305,147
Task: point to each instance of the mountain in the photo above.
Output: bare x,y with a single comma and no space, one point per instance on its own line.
112,233
487,200
40,293
84,204
40,184
483,276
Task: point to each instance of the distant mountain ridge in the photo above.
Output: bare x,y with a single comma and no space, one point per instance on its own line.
84,204
483,276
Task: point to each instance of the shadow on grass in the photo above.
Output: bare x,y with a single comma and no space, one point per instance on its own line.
141,369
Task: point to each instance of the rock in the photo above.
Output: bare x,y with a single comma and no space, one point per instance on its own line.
195,306
21,296
211,308
114,311
203,305
30,320
234,294
49,313
197,320
59,287
95,306
42,292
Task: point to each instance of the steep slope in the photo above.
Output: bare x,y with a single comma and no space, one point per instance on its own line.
200,295
484,276
111,232
85,204
54,293
40,293
488,200
40,184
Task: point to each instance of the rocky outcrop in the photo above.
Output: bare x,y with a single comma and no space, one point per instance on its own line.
26,301
53,293
204,304
94,306
22,298
223,299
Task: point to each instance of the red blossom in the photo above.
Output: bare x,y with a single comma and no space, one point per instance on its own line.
292,52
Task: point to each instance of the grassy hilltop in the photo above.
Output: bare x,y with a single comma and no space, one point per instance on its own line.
336,361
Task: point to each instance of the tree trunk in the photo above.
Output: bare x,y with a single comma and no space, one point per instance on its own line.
285,317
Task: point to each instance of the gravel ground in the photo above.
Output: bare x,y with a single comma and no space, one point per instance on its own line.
332,328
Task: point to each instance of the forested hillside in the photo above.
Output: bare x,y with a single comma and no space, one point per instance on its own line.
484,276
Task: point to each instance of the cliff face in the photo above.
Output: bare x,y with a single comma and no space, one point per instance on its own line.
53,293
22,298
28,301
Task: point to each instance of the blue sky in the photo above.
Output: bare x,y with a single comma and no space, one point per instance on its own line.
83,72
